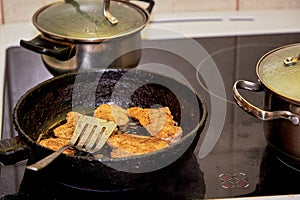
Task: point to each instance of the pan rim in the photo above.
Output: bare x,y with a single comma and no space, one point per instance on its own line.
200,124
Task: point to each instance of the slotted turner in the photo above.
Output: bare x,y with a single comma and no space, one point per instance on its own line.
90,135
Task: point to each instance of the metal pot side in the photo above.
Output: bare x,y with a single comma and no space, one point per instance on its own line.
280,133
118,53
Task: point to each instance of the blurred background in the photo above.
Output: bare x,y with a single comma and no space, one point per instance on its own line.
14,11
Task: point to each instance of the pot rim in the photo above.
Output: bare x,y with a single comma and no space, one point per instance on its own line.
73,39
265,84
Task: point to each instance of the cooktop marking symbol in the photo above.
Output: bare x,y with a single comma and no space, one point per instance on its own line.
229,181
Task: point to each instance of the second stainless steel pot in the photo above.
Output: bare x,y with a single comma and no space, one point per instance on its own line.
279,78
77,33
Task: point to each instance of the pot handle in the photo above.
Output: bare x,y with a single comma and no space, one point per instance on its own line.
150,6
12,150
255,111
60,50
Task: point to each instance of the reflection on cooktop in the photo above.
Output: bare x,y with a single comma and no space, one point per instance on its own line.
276,176
186,183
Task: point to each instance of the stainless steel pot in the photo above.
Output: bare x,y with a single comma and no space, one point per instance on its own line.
78,34
279,78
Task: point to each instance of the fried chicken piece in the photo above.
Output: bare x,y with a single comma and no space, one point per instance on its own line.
113,113
168,132
56,143
141,114
125,145
158,122
66,130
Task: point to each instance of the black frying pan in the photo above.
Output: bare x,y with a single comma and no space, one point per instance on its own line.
51,100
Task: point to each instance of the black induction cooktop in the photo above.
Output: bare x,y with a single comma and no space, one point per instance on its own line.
240,163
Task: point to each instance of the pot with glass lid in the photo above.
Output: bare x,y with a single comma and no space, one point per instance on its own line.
278,72
89,34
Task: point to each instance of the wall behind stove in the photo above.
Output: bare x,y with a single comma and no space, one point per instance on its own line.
12,11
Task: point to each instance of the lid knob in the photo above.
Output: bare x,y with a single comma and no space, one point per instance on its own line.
106,12
290,61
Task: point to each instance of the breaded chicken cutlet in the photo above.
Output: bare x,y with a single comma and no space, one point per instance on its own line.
66,130
158,122
125,145
56,143
113,113
63,134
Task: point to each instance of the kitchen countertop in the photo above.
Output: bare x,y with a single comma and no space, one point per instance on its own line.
193,25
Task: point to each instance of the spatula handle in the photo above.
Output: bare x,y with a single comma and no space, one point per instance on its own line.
47,160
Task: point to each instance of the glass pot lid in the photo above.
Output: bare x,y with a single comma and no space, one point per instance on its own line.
84,20
279,71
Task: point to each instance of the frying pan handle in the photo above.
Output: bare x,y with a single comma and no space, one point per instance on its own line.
150,6
60,50
12,151
255,111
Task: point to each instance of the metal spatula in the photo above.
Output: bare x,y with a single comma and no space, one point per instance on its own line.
90,135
